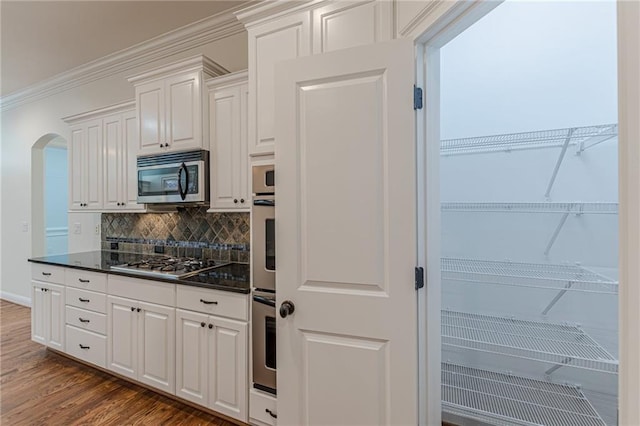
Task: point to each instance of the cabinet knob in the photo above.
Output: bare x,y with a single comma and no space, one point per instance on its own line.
235,200
133,309
138,309
210,326
242,200
202,324
161,145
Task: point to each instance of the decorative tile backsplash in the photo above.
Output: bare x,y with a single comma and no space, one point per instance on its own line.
190,232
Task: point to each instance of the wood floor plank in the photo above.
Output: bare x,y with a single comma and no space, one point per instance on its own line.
40,387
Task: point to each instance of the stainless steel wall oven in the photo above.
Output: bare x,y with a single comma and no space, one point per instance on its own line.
264,341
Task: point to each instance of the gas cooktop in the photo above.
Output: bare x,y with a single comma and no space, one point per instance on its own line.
167,267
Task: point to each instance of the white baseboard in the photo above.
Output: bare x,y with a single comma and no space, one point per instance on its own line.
20,300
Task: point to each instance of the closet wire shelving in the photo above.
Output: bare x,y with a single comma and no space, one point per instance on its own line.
507,399
504,399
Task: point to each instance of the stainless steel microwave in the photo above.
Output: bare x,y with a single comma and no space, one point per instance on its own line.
174,178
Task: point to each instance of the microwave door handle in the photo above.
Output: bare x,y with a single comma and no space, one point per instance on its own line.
265,301
267,203
183,191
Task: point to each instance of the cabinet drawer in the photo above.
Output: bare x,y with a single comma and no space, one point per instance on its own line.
87,346
87,280
85,299
259,403
47,273
142,290
213,302
86,320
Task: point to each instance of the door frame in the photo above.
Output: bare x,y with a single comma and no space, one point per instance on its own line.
443,22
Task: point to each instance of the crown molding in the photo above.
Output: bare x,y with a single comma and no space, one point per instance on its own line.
271,9
228,79
196,34
194,63
111,109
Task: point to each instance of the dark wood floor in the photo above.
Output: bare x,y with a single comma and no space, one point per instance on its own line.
40,387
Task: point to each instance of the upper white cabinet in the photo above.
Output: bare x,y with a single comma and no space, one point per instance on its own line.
172,105
102,159
228,100
85,164
285,30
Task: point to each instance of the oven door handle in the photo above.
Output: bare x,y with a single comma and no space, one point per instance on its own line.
264,203
265,301
183,191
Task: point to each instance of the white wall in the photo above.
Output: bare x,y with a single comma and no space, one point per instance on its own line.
24,125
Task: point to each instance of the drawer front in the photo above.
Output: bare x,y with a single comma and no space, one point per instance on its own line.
213,302
85,299
86,280
259,403
142,290
87,346
86,320
47,273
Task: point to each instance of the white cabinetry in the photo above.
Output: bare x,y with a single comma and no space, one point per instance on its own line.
102,159
85,163
278,32
141,331
172,105
211,351
228,100
47,310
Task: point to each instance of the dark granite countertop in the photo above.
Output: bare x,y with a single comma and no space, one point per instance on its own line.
232,277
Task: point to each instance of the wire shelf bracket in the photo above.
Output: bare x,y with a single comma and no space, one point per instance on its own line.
506,399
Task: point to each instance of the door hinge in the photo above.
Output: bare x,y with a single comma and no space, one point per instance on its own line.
417,97
419,277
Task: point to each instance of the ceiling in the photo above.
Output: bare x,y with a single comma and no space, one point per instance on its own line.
40,39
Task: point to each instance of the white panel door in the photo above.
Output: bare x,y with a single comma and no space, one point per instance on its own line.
112,160
270,43
76,164
156,346
228,379
184,112
39,313
346,232
192,356
122,336
56,322
150,99
93,166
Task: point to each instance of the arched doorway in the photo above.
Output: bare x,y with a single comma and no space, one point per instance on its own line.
49,183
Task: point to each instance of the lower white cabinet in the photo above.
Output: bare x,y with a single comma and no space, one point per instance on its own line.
141,342
211,362
47,314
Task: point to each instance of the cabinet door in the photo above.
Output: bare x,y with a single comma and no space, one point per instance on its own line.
76,164
112,128
270,43
192,356
243,190
225,130
122,336
39,313
184,111
129,177
93,164
54,298
341,25
150,99
228,386
156,346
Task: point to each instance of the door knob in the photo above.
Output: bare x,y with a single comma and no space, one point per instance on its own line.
287,308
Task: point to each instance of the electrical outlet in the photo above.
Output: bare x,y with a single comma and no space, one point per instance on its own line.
77,228
97,230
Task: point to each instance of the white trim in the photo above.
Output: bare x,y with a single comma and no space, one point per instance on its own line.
111,109
194,63
60,231
20,300
270,10
228,79
196,34
629,216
